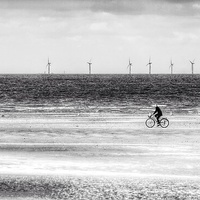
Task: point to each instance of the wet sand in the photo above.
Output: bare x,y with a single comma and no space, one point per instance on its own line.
95,150
87,187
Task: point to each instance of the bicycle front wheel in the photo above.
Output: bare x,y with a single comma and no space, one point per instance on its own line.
164,122
150,123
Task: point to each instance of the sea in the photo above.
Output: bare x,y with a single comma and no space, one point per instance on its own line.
99,93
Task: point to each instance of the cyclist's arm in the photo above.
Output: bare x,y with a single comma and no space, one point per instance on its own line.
154,112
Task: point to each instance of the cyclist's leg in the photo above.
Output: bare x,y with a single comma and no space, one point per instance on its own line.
157,118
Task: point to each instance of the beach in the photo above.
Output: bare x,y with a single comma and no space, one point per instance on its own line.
96,150
84,137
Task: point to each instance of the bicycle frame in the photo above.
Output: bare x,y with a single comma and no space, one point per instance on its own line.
152,116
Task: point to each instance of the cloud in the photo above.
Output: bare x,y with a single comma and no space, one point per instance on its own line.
115,7
99,26
180,1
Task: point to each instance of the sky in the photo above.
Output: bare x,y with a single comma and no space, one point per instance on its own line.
106,32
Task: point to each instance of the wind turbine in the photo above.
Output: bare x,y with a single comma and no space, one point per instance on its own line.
192,66
129,66
48,67
90,66
149,64
171,67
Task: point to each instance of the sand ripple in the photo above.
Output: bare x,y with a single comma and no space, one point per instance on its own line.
77,188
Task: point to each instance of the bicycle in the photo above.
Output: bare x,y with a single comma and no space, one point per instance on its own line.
151,121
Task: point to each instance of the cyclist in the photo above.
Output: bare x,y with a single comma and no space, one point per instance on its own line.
157,113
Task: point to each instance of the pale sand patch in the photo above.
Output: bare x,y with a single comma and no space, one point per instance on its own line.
95,128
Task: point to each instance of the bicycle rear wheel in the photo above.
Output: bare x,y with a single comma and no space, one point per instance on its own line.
164,122
150,123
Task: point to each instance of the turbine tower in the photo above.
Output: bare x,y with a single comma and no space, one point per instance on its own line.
90,66
149,64
171,67
129,66
192,66
48,67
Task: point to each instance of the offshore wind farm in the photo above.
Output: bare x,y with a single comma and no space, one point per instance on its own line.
129,67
